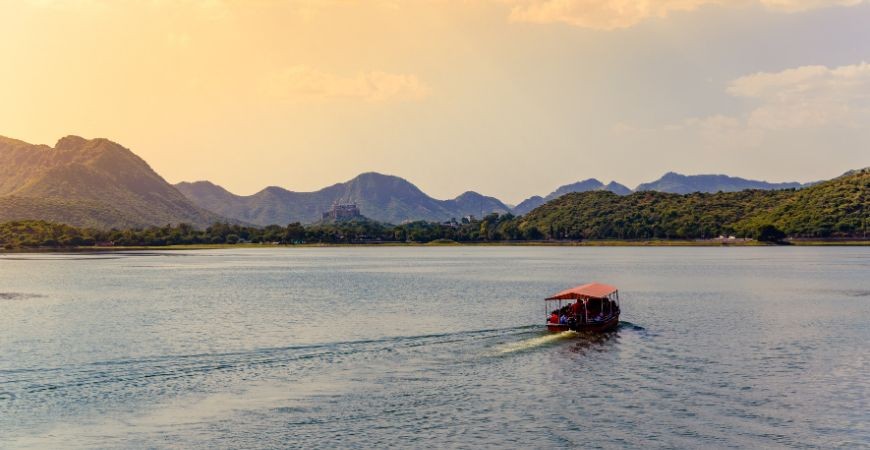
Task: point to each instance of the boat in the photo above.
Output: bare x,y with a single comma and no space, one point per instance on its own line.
589,307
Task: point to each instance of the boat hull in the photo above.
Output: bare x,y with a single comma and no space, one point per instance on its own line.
594,327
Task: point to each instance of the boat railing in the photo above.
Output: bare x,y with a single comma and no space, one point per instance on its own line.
599,319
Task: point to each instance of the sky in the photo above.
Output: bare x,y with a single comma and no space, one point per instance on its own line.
509,98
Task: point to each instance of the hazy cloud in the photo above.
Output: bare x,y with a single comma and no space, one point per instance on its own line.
615,14
598,14
593,14
802,98
804,5
304,82
808,96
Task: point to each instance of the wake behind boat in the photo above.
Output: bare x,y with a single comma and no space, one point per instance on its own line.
595,307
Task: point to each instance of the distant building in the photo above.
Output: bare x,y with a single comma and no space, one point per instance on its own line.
452,223
342,211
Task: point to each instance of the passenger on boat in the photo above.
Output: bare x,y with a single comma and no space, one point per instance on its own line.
554,318
577,310
563,319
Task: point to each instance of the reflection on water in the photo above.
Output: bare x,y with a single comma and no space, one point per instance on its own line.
435,347
535,342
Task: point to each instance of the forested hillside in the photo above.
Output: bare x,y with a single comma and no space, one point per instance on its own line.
581,186
838,207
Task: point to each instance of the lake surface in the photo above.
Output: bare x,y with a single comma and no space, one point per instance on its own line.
433,347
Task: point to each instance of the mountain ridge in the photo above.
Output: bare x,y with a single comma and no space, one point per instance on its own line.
670,182
77,176
63,183
677,183
381,197
589,184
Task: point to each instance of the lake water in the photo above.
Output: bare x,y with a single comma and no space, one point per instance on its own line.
433,347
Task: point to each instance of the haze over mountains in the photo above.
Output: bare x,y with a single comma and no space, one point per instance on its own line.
392,199
99,183
380,197
676,183
671,182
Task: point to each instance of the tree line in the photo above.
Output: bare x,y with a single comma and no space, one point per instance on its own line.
35,234
492,228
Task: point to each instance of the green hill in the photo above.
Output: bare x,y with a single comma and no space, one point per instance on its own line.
591,184
838,207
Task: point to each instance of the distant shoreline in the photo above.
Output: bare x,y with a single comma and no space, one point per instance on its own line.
586,243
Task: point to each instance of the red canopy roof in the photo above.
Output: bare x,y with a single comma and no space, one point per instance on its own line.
591,290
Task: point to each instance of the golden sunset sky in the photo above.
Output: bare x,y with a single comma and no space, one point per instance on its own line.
510,98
